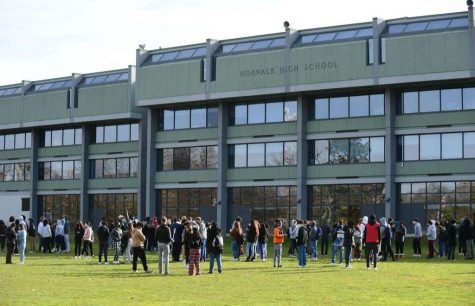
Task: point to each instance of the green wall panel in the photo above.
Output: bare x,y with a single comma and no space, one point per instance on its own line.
12,186
104,148
11,154
10,110
332,125
46,106
262,173
249,71
333,171
103,100
188,134
428,53
170,80
330,62
442,118
436,167
59,151
186,176
262,129
59,184
113,183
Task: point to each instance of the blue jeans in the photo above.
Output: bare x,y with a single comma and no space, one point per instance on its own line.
277,254
339,249
212,257
441,245
21,251
314,248
251,249
302,255
203,250
262,250
235,249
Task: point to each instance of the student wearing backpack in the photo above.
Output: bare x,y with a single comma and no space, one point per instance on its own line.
301,241
386,236
164,239
313,237
278,242
215,245
338,235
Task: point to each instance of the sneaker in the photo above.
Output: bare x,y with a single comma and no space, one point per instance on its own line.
220,272
368,268
210,272
99,263
332,264
75,257
148,271
135,271
279,266
350,267
300,266
375,268
106,263
341,265
115,262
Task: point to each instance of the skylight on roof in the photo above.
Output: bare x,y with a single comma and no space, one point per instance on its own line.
178,55
52,85
433,25
10,91
254,45
338,35
106,78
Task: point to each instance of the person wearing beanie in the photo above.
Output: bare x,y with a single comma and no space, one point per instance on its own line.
371,239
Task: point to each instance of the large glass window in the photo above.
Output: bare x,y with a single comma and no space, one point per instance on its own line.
452,146
339,149
377,149
110,133
240,156
198,157
359,150
111,206
342,151
321,109
256,113
189,158
411,147
175,119
195,202
290,153
59,206
240,114
469,145
321,152
339,107
290,111
60,170
430,146
198,118
274,154
263,154
349,106
450,99
117,133
274,112
359,106
123,132
110,170
429,101
212,119
469,98
16,141
123,167
410,102
266,112
255,155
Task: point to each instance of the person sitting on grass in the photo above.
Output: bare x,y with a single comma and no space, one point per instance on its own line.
194,244
371,239
103,235
278,242
138,239
302,238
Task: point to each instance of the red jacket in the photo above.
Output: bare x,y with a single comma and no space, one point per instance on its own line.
371,233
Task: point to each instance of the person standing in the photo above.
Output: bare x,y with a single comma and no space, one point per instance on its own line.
237,240
194,242
11,240
103,235
138,239
251,239
204,235
442,237
21,242
262,240
338,236
293,232
215,247
116,236
46,234
164,239
301,241
313,236
371,239
357,239
431,236
40,236
400,237
177,231
66,229
87,240
386,236
78,234
31,235
451,240
348,243
326,231
278,242
3,235
59,236
416,244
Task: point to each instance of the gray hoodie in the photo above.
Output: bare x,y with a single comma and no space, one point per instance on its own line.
293,230
431,231
417,230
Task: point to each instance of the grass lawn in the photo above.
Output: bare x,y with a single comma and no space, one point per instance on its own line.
61,280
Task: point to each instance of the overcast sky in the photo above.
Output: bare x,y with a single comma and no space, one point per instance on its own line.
42,39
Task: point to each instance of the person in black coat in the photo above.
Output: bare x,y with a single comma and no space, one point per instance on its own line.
451,240
3,235
103,235
326,230
302,238
11,240
214,243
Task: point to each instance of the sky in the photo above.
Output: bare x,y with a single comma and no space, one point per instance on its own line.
42,39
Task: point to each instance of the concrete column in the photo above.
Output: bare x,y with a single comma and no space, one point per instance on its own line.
85,168
390,153
222,192
302,158
151,162
142,172
378,27
35,141
471,34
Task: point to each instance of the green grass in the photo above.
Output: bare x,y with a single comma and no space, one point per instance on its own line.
62,280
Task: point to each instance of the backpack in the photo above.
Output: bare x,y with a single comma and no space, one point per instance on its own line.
218,241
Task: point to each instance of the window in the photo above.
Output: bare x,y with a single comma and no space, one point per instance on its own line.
117,133
240,156
198,157
343,151
110,168
167,159
175,119
469,145
359,106
16,141
451,99
411,147
339,107
255,155
195,202
68,137
267,112
370,47
376,105
452,146
350,106
58,138
57,206
134,164
60,170
410,100
429,101
263,154
56,170
181,158
430,146
321,109
469,98
112,205
212,157
274,154
290,153
382,50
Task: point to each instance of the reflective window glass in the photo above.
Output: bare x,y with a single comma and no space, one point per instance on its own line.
290,153
321,108
261,44
19,172
198,117
9,172
469,145
359,106
325,37
376,105
68,170
359,150
397,28
78,136
345,34
410,101
109,168
255,155
242,46
123,132
212,118
98,168
240,156
2,142
240,114
123,167
430,146
411,147
416,26
134,132
452,146
168,120
274,112
451,99
307,38
212,157
182,119
167,159
77,169
9,142
198,157
469,98
438,24
274,154
20,141
68,136
110,133
169,56
429,101
57,138
256,113
56,170
181,159
99,134
134,163
339,151
278,42
339,107
321,152
290,111
376,149
458,22
370,46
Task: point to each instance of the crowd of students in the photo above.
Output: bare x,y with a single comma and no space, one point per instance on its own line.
197,241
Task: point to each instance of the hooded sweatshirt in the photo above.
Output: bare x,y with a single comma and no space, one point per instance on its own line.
362,225
417,230
293,230
431,231
372,233
59,228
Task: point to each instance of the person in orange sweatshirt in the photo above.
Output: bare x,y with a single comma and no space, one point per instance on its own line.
278,242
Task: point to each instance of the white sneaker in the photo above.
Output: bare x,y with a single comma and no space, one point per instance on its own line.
350,267
332,264
341,265
368,268
376,268
75,257
106,263
115,262
99,263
